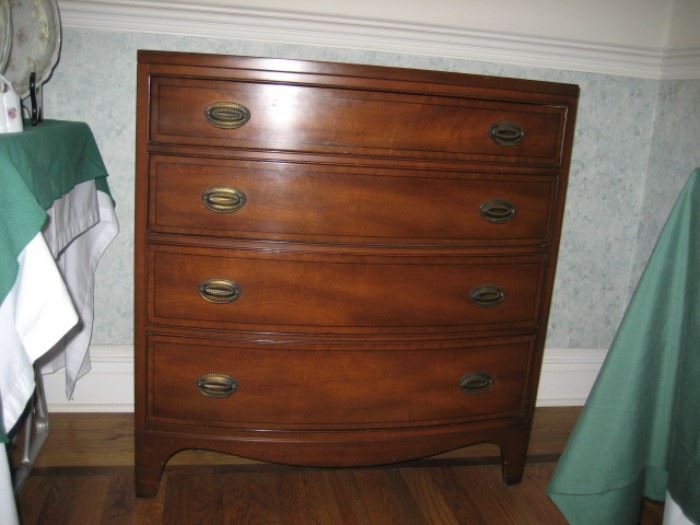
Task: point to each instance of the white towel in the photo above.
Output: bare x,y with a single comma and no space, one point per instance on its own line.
34,316
89,217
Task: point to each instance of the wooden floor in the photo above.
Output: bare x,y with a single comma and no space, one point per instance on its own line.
415,495
84,476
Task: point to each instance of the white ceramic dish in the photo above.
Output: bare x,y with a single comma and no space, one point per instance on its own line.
36,42
5,34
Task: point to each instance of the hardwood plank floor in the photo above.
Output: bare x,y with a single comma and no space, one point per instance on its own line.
85,476
411,495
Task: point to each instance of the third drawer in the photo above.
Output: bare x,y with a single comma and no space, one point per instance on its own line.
317,291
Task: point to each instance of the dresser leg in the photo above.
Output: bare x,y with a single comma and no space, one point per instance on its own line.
149,463
514,454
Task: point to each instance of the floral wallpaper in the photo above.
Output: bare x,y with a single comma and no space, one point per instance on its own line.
623,127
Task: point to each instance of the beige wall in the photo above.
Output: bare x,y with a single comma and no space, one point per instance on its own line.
631,38
685,25
636,23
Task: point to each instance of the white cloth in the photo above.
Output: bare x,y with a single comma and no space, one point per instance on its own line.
80,227
673,513
48,313
70,216
34,316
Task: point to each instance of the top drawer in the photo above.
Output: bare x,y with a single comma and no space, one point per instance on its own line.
360,121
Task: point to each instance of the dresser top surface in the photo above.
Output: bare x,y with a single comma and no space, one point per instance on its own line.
309,67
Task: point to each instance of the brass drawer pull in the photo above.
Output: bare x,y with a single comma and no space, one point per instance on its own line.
486,295
223,199
475,383
506,133
219,291
227,115
216,385
497,211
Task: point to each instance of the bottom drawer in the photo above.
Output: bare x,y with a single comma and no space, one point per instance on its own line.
334,386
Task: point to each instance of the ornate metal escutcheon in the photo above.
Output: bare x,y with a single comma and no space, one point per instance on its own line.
216,385
227,115
223,199
219,291
487,295
506,133
475,382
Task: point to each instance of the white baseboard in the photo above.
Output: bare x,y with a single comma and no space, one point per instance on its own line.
567,377
108,387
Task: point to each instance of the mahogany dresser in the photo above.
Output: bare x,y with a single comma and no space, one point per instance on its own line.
338,264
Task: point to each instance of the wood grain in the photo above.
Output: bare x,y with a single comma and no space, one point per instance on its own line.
86,471
290,292
363,222
326,388
316,201
228,494
360,122
107,440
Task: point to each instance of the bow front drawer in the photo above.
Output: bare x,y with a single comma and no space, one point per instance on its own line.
288,292
283,200
325,119
262,386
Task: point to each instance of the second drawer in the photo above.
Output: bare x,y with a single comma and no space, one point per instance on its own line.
284,200
302,292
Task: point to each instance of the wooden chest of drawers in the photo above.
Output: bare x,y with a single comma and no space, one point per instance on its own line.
341,265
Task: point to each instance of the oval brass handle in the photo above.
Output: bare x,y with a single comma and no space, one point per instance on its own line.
223,199
219,291
474,383
497,211
487,295
506,133
216,385
227,115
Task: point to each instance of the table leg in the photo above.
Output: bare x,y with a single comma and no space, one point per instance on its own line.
36,430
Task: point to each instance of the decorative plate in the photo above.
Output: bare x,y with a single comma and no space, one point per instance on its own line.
36,42
5,33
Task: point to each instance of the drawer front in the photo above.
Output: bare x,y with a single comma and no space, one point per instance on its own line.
296,292
214,383
279,200
286,117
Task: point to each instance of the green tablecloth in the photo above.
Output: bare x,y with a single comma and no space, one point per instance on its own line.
639,433
38,166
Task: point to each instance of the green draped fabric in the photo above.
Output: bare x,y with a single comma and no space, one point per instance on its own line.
38,166
639,433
